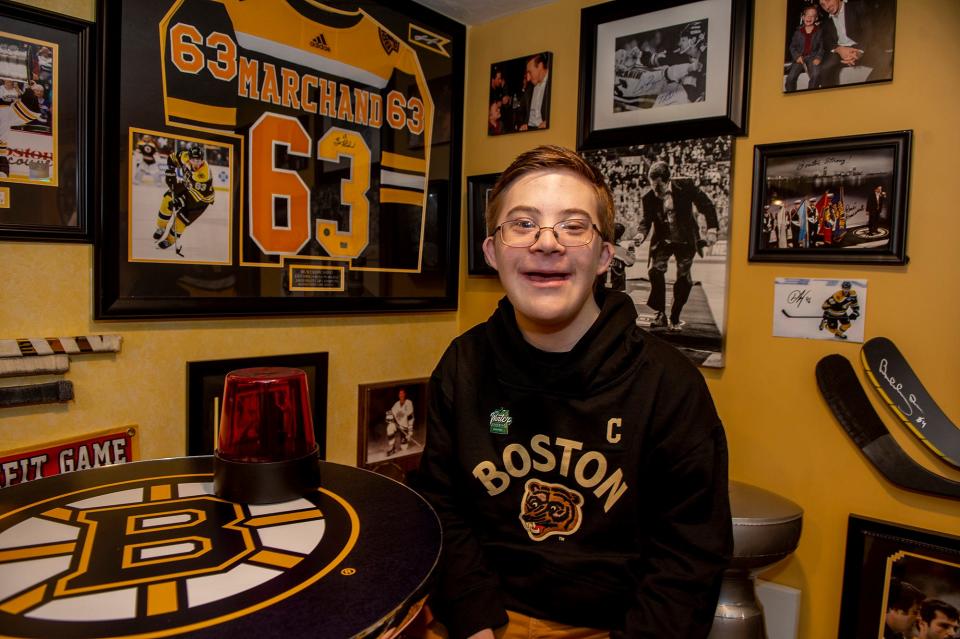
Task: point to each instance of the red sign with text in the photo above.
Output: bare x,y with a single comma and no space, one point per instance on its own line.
115,446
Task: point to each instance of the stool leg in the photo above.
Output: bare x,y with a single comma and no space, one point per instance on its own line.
739,615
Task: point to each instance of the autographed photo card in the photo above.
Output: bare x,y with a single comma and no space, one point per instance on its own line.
820,308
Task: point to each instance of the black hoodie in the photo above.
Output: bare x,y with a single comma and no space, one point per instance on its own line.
587,487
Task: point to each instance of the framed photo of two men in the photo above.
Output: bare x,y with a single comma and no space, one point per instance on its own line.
278,157
832,43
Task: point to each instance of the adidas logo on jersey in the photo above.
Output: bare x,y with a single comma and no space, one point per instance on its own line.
320,42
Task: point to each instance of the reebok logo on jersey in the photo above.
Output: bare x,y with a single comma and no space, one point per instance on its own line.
320,42
389,43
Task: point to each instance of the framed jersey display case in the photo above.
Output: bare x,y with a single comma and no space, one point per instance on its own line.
46,120
277,157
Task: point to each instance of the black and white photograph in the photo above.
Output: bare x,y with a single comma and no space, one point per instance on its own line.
46,123
392,426
899,581
832,43
839,199
672,204
660,68
180,199
519,94
663,70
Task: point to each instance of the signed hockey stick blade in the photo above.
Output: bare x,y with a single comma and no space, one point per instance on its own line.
846,398
784,311
908,398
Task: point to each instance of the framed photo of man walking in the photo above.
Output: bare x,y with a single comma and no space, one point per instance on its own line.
671,236
832,200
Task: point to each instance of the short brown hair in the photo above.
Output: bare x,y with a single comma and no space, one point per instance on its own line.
556,158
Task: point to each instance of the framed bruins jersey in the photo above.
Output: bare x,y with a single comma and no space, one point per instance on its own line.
325,137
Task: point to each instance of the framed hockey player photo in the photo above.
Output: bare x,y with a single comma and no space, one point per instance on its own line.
47,114
832,200
671,238
519,97
205,381
820,308
278,157
898,580
392,426
478,194
661,70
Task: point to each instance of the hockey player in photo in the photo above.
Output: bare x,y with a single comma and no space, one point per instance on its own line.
189,193
402,412
22,111
146,163
839,310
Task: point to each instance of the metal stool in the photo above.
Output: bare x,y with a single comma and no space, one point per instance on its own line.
766,529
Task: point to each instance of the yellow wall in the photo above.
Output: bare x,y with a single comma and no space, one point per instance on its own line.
782,436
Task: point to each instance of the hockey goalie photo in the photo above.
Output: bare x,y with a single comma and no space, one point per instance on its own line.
180,190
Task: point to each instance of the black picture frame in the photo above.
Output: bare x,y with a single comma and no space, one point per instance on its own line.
398,453
880,553
872,26
819,179
46,196
352,258
205,380
478,190
638,95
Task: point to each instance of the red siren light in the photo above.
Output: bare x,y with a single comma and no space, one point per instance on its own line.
266,449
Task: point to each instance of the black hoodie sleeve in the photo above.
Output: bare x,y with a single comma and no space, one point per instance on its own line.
467,595
688,541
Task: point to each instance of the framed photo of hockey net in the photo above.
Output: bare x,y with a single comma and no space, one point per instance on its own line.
46,120
277,157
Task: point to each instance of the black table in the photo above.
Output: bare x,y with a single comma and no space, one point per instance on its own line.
146,550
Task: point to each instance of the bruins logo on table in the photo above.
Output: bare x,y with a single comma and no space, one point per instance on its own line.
160,556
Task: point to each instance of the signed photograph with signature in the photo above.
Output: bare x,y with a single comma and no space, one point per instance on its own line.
831,200
830,309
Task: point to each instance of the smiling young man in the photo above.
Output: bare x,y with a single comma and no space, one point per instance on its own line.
577,463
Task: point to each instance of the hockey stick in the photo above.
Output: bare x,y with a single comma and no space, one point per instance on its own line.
784,311
906,395
845,396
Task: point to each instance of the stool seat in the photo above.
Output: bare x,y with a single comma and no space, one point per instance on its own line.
766,526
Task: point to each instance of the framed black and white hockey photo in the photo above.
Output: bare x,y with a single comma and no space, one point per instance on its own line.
392,426
205,381
277,157
832,200
671,238
47,115
899,579
663,70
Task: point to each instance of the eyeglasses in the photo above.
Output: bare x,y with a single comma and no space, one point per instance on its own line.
523,232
